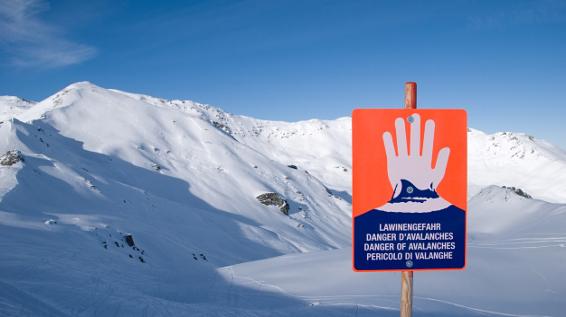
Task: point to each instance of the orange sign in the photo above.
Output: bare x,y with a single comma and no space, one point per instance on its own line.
409,189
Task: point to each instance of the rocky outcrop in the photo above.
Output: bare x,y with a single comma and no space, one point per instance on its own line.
129,239
518,191
224,129
11,157
274,199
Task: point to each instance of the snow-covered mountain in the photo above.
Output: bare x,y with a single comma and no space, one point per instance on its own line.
11,106
517,160
114,203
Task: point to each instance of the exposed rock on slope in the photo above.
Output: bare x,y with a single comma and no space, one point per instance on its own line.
11,157
518,191
274,199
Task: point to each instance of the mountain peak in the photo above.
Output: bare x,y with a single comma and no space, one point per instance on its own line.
81,85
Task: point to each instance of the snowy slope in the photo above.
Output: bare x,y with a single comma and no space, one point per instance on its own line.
99,165
518,160
323,147
127,150
182,178
11,106
517,248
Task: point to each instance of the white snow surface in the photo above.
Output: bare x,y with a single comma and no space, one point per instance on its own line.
11,106
182,178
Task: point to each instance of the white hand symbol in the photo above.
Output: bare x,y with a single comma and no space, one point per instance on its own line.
414,166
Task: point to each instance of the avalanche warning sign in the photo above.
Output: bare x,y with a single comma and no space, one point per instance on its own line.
409,189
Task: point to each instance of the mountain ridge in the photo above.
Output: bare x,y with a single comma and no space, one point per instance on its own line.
494,159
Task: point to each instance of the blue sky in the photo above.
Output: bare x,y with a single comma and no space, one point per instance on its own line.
504,61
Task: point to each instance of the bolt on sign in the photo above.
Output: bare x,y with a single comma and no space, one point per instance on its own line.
409,189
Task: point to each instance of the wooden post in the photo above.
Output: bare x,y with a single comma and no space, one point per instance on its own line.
407,276
406,294
411,95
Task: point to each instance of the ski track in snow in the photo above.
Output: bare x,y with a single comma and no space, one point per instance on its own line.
474,309
522,243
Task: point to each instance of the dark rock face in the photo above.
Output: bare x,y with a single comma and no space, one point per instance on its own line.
292,166
129,240
519,192
274,199
224,128
11,157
